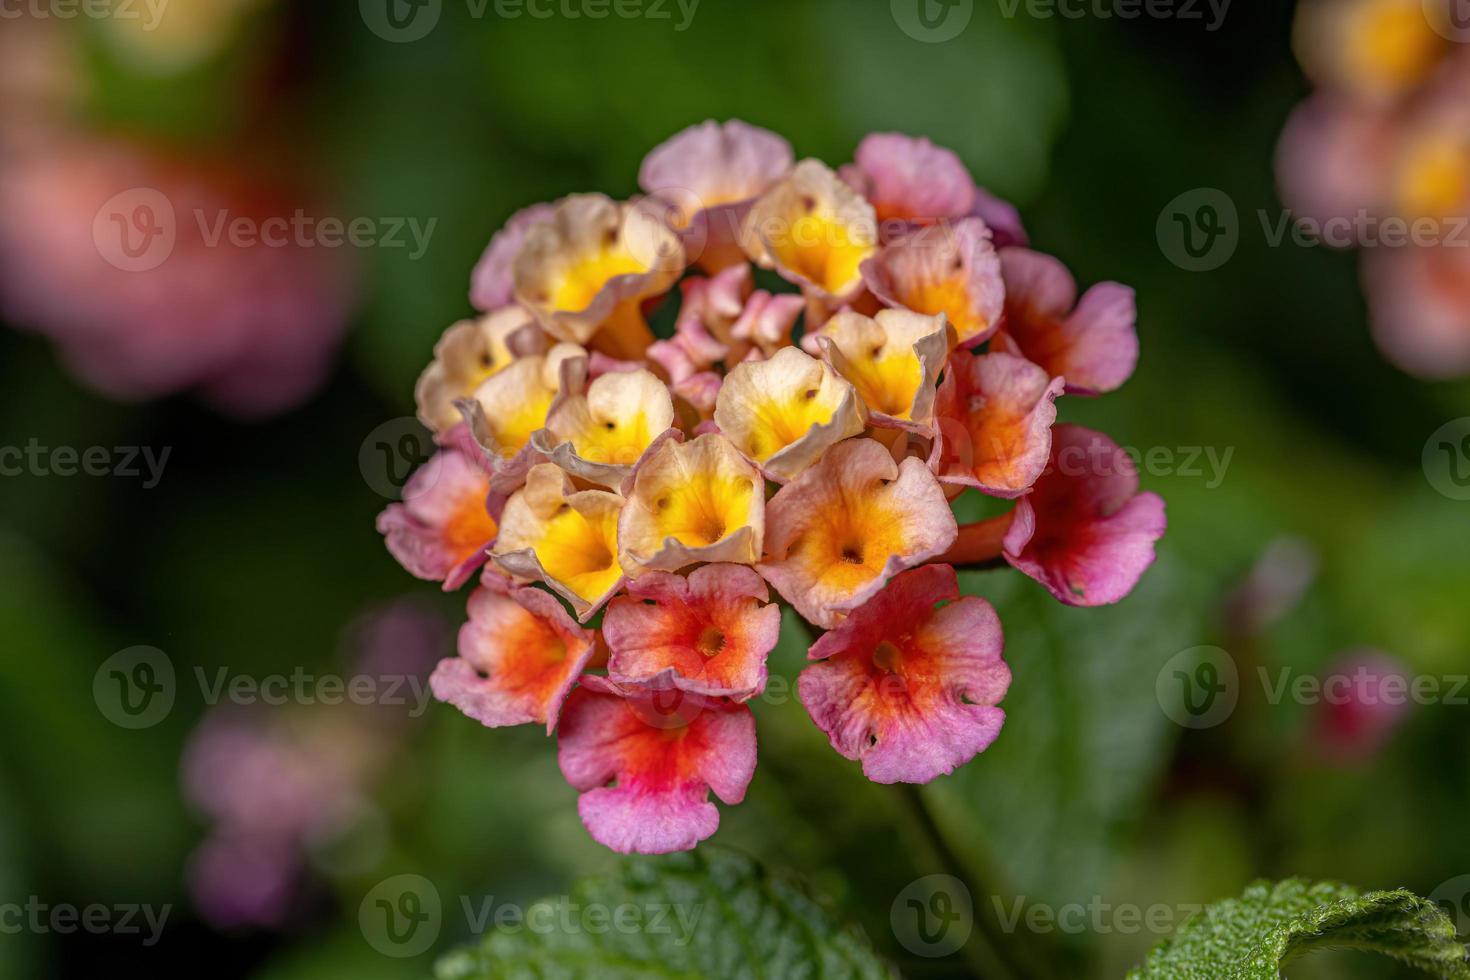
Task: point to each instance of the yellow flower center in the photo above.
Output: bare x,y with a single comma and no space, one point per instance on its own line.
581,553
823,250
704,509
887,380
1435,177
1393,42
583,280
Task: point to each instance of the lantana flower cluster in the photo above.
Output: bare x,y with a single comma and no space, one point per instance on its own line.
1379,157
640,508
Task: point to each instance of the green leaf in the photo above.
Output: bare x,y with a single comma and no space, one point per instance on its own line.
706,913
1248,938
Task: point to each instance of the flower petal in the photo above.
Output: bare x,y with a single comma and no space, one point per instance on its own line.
519,655
910,181
1094,346
661,767
846,526
907,688
467,354
709,633
492,284
600,435
1084,531
814,231
699,501
554,533
785,412
950,269
996,416
443,529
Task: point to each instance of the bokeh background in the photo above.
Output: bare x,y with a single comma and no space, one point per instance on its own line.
263,828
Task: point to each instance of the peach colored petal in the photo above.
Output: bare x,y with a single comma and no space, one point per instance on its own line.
443,529
950,268
893,360
599,436
996,416
814,231
709,633
785,412
699,501
846,526
467,354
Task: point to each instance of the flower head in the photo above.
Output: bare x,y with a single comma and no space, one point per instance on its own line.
1084,531
1090,342
699,501
568,538
944,269
814,231
709,175
599,436
996,414
519,655
646,765
909,686
443,529
785,412
467,354
846,526
893,360
585,270
707,634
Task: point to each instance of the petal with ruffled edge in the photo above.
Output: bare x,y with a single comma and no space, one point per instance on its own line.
645,770
443,529
906,685
893,360
951,269
519,655
492,284
568,538
814,231
846,526
1084,531
692,502
600,435
709,633
710,174
584,272
509,407
996,413
909,180
1092,344
467,354
785,412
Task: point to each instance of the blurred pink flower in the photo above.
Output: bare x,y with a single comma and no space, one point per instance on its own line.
124,258
1365,696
